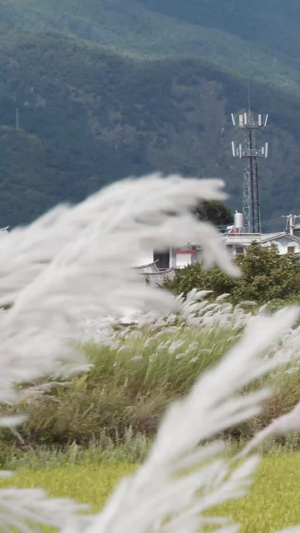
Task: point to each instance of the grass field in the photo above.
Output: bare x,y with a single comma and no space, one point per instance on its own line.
137,371
130,385
83,435
274,500
273,503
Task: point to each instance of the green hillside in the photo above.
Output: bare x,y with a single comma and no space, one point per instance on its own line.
273,24
211,29
111,88
89,116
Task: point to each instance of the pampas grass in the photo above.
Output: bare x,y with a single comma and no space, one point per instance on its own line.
77,263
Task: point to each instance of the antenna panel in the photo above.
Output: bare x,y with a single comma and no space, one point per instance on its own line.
266,150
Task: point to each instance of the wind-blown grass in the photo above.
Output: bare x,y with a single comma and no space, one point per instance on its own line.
138,370
130,385
53,282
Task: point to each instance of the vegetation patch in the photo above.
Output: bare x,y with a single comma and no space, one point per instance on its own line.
137,372
266,276
129,387
272,504
91,484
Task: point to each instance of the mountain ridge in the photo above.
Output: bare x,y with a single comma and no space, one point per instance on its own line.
89,116
94,113
131,26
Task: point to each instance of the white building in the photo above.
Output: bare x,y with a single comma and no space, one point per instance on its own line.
177,257
236,244
286,243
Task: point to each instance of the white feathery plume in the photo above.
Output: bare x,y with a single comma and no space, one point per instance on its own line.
24,510
181,481
287,423
139,211
77,261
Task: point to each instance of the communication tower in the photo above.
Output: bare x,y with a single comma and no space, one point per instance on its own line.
250,123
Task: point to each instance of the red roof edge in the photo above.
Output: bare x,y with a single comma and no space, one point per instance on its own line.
186,252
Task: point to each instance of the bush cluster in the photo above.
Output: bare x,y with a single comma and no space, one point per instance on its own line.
266,276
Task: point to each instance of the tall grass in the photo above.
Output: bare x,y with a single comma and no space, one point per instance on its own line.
131,449
129,386
65,268
136,373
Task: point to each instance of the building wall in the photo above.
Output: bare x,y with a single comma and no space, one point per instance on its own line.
283,243
173,257
237,244
183,260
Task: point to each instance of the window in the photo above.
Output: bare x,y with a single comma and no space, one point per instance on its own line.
163,260
239,250
290,250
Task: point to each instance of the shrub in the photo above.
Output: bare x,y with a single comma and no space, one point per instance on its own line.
266,276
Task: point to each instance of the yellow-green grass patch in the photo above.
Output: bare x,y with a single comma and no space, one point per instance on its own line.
273,502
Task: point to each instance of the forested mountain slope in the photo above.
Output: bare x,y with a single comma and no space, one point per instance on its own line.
273,24
89,116
258,39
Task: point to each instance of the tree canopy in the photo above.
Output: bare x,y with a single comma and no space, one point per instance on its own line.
266,276
215,212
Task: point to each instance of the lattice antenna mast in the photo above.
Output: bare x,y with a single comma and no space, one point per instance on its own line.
249,123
